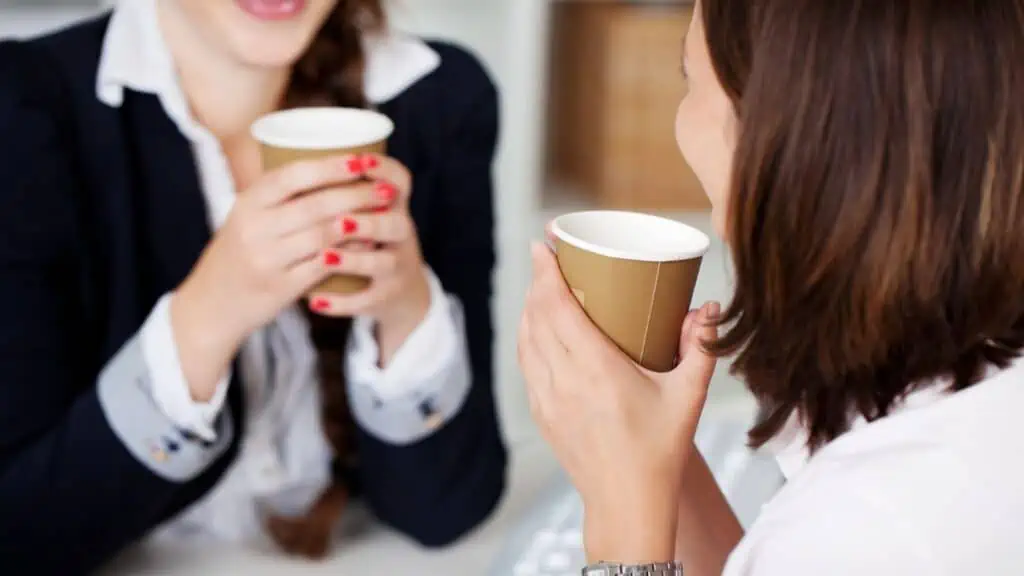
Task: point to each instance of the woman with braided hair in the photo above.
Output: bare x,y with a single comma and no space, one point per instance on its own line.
164,370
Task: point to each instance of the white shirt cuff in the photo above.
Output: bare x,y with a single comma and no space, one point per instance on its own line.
427,352
169,388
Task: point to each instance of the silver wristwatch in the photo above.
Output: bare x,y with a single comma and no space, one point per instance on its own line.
612,569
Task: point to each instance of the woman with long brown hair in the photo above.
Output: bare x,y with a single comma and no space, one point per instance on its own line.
162,371
865,163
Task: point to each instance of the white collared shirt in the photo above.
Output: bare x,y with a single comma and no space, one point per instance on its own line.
936,488
285,460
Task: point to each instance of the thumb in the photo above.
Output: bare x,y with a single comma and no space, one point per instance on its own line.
693,374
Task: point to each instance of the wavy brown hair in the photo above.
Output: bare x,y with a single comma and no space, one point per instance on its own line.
330,73
876,202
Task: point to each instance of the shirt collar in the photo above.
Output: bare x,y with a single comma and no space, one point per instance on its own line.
135,57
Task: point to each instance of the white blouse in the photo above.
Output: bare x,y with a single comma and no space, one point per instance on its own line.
935,488
285,460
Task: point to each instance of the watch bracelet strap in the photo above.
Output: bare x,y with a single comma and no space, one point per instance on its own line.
656,569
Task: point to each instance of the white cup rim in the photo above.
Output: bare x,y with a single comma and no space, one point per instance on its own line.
677,241
322,128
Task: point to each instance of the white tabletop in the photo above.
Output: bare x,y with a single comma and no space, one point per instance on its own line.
371,549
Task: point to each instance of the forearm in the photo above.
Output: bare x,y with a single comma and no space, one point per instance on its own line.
707,529
689,520
101,477
430,451
632,527
205,344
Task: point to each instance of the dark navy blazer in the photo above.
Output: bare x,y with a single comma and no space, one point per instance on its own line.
101,213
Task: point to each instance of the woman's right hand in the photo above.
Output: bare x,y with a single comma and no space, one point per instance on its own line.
267,254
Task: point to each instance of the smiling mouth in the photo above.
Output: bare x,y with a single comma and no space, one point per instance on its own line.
272,9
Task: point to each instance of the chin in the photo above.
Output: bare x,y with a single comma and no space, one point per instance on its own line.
259,33
270,50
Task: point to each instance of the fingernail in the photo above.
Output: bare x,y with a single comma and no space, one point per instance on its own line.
371,162
332,258
386,191
319,304
349,225
355,165
714,309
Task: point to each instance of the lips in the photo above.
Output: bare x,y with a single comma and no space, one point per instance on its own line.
272,9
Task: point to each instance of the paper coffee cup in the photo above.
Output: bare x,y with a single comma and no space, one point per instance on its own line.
634,275
310,133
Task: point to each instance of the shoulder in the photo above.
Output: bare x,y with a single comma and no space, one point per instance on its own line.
828,524
39,80
458,88
461,68
902,509
65,60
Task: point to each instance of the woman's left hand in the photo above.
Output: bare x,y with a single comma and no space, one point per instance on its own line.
399,294
622,433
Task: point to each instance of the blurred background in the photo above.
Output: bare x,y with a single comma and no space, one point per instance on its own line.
589,91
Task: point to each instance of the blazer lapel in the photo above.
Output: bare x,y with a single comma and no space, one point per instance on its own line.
171,208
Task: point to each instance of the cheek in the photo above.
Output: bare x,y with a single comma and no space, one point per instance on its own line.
699,139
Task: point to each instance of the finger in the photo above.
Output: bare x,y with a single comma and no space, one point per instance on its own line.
390,171
686,335
303,276
693,375
387,227
303,176
348,305
562,313
549,235
538,375
547,343
306,244
370,263
322,206
535,370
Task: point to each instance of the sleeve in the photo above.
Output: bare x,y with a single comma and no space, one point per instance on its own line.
437,489
426,382
170,389
88,463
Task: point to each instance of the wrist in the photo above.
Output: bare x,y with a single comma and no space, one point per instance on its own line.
206,343
635,526
398,321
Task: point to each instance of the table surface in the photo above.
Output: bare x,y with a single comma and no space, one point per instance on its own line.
535,489
367,548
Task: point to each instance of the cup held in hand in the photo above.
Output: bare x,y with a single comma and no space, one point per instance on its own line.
634,275
312,133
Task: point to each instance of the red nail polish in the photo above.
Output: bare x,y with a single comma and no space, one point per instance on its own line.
386,191
332,258
319,304
349,226
371,162
355,165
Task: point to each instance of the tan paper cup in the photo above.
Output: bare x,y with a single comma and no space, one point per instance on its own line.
310,133
634,274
